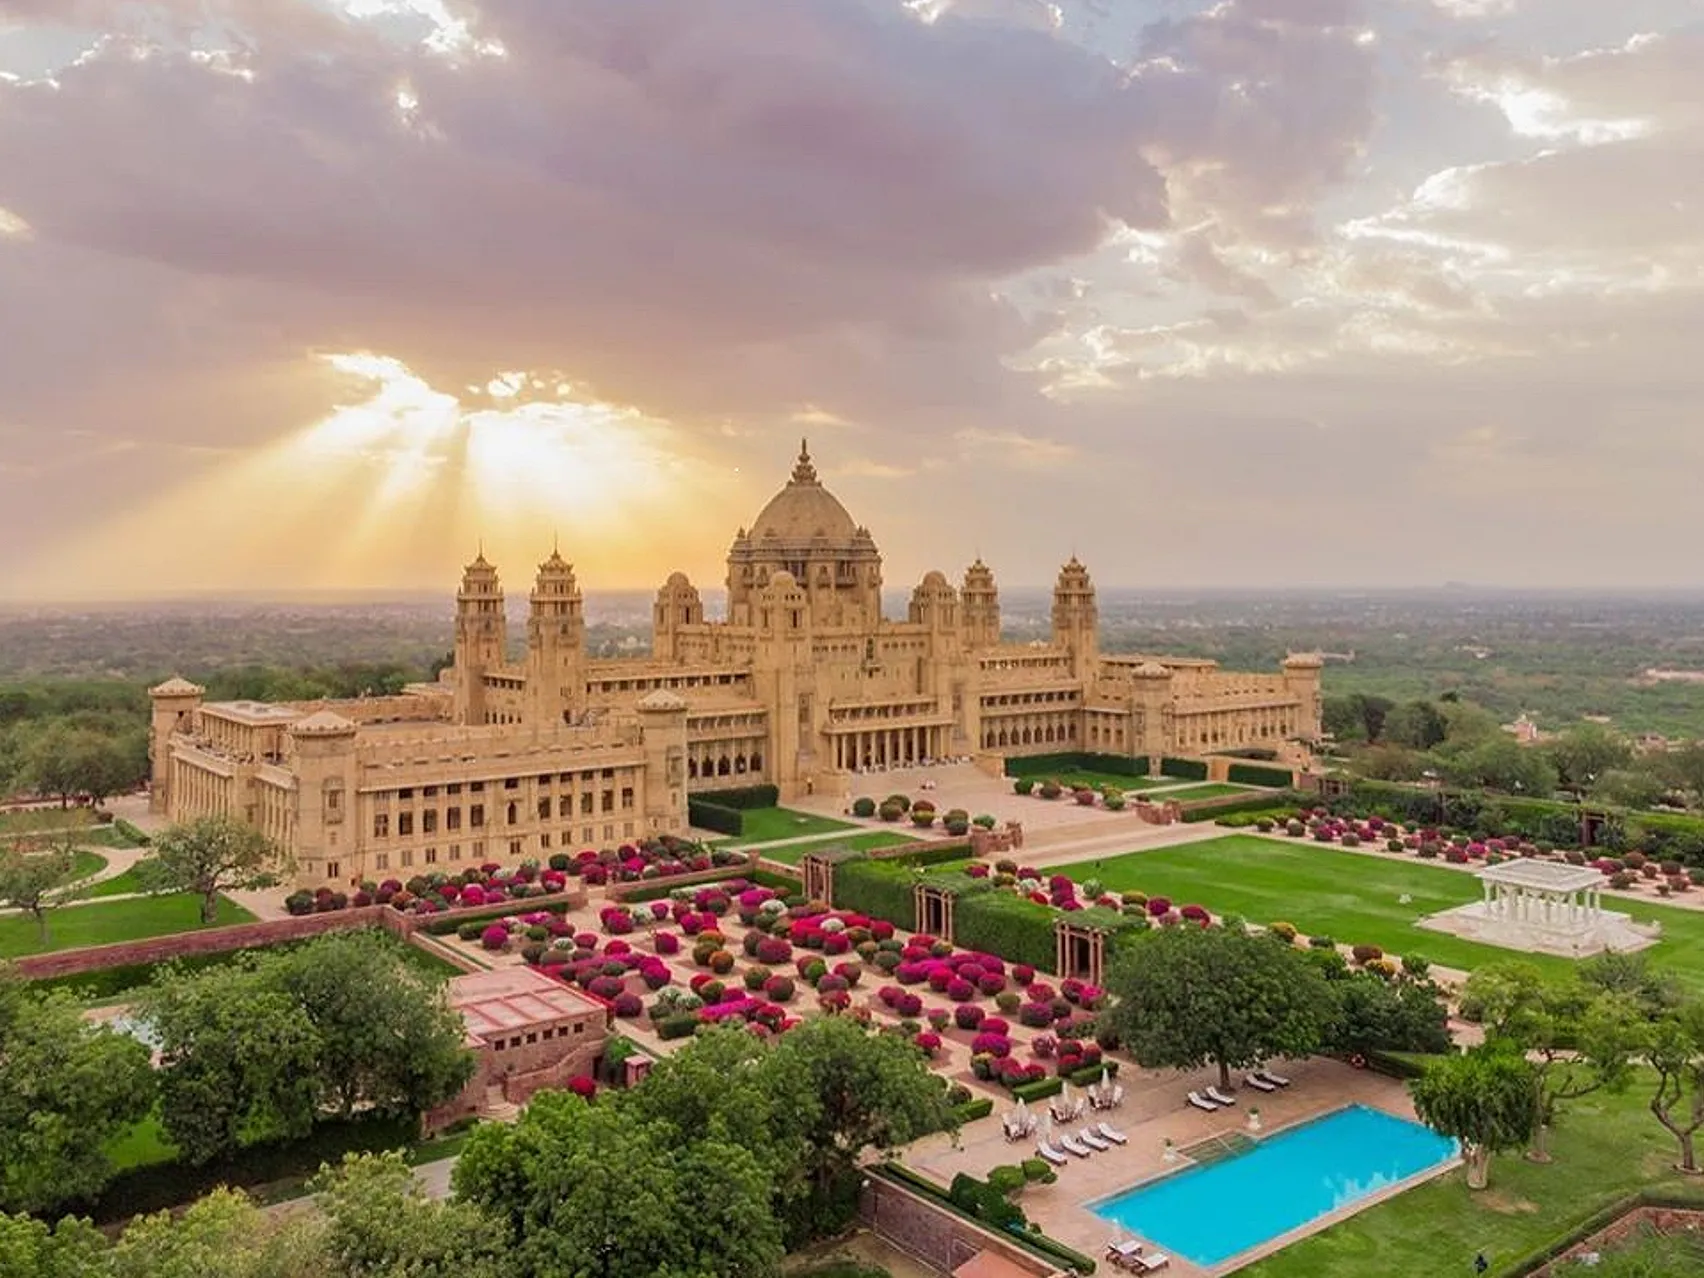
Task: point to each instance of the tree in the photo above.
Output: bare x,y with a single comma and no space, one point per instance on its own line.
386,1039
1386,762
239,1060
1585,752
1416,725
34,874
1501,763
1578,1041
208,856
380,1224
1483,1098
1683,768
224,1234
1675,1050
851,1090
586,1189
67,1088
1190,996
1376,1015
30,1248
1655,990
1637,788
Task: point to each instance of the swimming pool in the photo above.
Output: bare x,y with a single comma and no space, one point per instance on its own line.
1209,1214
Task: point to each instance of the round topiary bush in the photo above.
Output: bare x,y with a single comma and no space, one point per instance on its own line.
1023,785
495,937
864,806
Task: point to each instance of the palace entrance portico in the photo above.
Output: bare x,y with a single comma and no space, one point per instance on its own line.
1544,906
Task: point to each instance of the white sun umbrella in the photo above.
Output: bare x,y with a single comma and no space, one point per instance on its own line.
1065,1097
1023,1114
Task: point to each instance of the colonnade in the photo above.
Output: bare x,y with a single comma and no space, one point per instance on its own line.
888,747
1545,906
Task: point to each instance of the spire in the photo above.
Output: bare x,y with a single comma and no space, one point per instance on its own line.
803,471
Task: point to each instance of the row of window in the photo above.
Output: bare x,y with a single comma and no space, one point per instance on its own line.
545,1035
588,836
452,817
544,779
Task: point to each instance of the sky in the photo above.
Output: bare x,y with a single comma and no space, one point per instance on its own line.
326,294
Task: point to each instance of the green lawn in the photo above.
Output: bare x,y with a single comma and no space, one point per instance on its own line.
766,825
123,884
791,853
1194,793
1605,1147
84,864
102,924
1352,897
1080,778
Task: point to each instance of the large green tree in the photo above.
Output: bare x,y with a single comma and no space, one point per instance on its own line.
1500,763
225,1235
1483,1098
1378,1015
239,1060
849,1091
1582,754
1189,996
590,1190
30,1248
210,855
380,1224
67,1088
1578,1040
386,1038
1416,725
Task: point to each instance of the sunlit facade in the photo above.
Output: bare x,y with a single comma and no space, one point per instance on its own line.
802,684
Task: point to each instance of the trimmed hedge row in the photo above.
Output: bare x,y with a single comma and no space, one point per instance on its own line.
138,837
1211,811
1255,774
1015,928
704,815
502,910
742,797
972,1110
1122,765
1183,769
1041,1089
880,889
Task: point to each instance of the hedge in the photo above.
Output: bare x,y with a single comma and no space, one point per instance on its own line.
1254,774
1041,1089
713,816
880,889
972,1110
1122,765
1596,1220
1400,1065
934,853
443,927
158,1186
138,838
1015,928
1183,769
749,796
1210,811
1091,1074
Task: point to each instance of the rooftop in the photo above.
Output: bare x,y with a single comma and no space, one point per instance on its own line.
514,998
252,711
1545,876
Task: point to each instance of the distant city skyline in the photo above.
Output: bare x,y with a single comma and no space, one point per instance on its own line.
302,295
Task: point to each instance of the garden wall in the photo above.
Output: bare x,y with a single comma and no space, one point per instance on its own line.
239,936
935,1234
652,889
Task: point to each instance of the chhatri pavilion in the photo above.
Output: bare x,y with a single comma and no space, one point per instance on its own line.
1545,906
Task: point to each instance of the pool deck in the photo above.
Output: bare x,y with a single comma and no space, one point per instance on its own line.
1154,1110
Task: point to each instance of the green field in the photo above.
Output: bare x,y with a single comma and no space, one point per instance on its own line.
122,884
102,924
767,825
1082,778
790,853
1605,1147
1206,790
84,864
1351,897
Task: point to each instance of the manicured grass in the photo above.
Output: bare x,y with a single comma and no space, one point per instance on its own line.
123,884
1605,1147
102,924
1080,778
84,864
1353,897
766,825
1194,793
107,836
791,853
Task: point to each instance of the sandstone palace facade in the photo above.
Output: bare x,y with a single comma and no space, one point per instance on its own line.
803,683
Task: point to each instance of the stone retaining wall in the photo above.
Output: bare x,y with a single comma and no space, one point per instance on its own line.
936,1235
621,892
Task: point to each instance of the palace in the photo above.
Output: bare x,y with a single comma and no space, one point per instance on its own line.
801,684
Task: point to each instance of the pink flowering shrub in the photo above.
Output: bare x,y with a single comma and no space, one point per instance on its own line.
968,1017
991,1044
929,1043
495,937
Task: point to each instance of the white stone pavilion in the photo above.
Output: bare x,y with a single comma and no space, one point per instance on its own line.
1545,906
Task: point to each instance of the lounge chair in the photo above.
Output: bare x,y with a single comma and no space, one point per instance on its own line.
1051,1154
1202,1103
1217,1097
1258,1083
1093,1141
1277,1080
1071,1145
1109,1132
1153,1261
1123,1255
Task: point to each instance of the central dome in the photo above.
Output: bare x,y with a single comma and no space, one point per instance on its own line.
804,511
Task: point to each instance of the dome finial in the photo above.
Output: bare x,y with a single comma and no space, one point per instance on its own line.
803,471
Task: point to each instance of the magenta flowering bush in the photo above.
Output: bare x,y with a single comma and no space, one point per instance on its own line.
773,950
960,990
606,987
968,1017
628,1005
1022,974
909,1006
991,1044
994,1025
778,989
1159,906
1035,1015
939,1018
1044,1047
1194,913
929,1043
666,943
991,983
495,937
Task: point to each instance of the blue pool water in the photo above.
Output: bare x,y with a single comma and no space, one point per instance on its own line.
1209,1214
